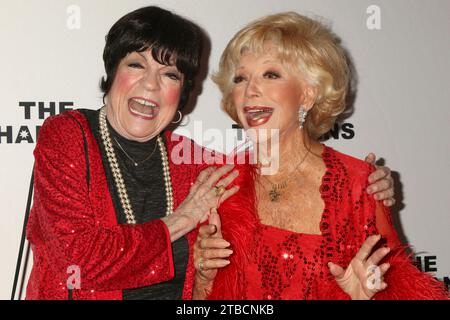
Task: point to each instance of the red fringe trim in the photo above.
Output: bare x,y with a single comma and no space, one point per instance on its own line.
406,282
239,220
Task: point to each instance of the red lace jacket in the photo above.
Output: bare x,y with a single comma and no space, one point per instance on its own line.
271,263
72,224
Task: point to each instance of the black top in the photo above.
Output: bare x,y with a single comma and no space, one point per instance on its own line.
146,191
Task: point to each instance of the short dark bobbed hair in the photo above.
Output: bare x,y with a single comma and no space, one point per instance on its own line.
169,36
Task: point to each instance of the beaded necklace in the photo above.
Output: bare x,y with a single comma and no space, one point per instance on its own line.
117,173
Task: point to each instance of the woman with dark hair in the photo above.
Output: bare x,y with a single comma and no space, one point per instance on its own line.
109,203
113,216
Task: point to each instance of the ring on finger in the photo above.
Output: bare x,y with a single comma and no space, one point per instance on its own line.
200,265
220,190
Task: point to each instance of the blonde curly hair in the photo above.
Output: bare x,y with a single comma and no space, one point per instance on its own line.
308,45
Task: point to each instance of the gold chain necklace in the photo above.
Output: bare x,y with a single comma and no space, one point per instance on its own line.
275,190
136,164
117,173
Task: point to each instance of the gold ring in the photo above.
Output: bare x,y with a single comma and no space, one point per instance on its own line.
220,190
200,265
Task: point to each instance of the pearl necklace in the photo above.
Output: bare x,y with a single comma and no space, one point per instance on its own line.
117,174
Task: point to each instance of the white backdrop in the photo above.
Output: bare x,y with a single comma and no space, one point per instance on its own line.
51,54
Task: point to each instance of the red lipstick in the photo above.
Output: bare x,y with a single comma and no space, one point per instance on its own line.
257,115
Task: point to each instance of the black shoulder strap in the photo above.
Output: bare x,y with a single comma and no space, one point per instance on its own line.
27,214
22,242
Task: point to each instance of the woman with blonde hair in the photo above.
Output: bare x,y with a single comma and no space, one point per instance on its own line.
312,230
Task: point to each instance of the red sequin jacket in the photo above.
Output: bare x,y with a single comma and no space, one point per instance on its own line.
349,217
75,228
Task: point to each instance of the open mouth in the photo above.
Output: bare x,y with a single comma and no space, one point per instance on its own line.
257,116
143,108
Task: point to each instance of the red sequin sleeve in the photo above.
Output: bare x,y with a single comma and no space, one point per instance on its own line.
405,281
70,231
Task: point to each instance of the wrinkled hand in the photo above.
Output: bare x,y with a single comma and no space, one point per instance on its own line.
210,249
363,278
202,196
381,183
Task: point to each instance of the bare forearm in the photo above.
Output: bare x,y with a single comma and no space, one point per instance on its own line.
202,288
178,225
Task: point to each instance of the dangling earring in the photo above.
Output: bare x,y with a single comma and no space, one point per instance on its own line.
302,113
181,117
